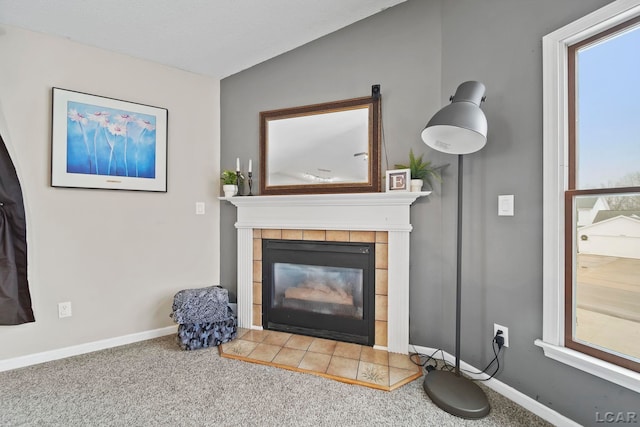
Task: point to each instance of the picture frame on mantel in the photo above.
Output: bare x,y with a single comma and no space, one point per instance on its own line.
105,143
398,180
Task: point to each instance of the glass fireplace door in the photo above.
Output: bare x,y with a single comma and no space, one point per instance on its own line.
319,289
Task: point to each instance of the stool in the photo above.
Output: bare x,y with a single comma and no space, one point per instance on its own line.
204,317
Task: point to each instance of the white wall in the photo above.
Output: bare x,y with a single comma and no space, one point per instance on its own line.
118,256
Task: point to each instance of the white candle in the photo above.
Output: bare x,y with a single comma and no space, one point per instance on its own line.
237,164
249,165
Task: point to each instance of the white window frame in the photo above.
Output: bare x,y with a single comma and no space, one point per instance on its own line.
555,182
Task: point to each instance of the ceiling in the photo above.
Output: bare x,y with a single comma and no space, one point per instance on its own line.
216,38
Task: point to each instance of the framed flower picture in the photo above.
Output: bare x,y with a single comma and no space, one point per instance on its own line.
106,143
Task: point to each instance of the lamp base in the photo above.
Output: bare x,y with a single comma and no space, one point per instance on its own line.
456,394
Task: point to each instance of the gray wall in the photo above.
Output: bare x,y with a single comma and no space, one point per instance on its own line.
419,52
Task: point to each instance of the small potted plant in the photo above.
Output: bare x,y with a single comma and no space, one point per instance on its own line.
229,182
421,171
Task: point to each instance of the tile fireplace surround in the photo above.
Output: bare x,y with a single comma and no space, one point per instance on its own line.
384,217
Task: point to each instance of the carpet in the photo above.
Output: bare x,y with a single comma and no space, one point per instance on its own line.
154,383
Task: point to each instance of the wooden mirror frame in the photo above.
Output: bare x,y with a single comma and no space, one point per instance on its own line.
374,126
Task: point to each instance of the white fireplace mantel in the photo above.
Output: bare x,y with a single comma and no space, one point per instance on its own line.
388,211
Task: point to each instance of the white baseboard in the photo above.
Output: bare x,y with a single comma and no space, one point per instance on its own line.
61,353
509,392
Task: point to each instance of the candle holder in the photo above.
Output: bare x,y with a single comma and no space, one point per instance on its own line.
238,181
249,174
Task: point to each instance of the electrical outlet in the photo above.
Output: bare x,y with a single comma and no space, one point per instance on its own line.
505,333
64,309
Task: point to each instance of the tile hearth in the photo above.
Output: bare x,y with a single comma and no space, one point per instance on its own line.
346,362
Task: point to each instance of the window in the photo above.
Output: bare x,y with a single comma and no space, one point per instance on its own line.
589,164
602,246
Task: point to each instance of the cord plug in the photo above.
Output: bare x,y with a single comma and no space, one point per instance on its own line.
430,368
499,339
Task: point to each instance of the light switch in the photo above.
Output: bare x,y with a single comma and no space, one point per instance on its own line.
505,205
199,208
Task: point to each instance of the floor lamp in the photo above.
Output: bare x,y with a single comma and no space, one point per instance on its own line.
458,128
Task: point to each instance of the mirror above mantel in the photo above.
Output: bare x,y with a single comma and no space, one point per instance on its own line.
332,147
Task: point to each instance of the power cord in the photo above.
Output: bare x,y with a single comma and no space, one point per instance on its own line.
497,341
384,141
496,359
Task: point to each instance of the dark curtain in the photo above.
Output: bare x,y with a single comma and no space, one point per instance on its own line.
15,300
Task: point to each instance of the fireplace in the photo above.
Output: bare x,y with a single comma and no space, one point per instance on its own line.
331,217
319,288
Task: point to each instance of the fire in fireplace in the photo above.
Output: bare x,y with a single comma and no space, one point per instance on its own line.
321,289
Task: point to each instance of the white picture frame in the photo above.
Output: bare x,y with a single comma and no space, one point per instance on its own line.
105,143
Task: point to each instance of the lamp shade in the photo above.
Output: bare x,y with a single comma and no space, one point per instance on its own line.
460,127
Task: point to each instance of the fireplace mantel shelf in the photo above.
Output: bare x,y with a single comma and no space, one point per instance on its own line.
405,198
353,211
389,211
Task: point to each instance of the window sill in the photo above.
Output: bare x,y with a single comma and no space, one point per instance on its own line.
608,371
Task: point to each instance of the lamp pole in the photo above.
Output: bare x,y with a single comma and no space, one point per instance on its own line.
459,266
